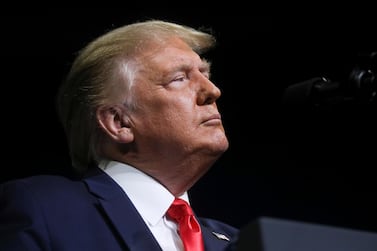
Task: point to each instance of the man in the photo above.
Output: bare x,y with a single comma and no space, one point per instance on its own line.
139,111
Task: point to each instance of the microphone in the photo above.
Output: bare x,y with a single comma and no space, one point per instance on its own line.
312,92
359,88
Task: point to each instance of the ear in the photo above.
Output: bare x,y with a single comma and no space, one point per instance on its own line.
113,121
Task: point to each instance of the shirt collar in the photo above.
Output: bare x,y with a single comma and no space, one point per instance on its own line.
150,197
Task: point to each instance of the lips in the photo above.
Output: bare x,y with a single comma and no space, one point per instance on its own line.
215,118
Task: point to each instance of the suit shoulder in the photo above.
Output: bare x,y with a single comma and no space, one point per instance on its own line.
40,180
41,185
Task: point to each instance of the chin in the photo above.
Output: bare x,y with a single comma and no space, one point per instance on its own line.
224,147
220,145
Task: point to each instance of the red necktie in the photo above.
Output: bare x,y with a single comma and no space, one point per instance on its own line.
188,227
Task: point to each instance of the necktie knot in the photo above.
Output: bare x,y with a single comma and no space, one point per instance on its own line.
188,227
179,209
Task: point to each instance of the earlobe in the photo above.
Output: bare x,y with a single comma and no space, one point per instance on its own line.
113,121
125,135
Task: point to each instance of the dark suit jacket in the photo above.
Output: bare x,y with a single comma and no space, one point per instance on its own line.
48,212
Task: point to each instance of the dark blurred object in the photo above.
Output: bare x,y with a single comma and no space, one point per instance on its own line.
273,234
359,87
362,83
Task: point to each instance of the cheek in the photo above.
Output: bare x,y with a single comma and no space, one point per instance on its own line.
175,107
170,111
175,118
165,117
182,112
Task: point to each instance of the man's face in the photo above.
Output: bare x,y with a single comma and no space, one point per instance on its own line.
176,114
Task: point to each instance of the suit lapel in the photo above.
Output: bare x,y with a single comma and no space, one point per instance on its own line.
211,242
122,214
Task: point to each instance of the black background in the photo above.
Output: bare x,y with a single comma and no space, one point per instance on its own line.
315,166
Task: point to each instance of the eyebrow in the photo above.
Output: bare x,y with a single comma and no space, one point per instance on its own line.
205,66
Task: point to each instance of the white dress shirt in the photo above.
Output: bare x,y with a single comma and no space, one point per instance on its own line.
151,200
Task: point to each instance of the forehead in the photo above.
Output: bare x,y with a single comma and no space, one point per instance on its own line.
169,53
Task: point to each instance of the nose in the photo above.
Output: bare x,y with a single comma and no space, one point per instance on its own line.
208,92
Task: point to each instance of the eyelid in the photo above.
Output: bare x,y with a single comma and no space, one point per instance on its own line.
179,77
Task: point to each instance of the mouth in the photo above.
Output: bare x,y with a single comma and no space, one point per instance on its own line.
214,119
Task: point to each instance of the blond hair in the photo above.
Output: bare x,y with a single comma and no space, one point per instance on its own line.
101,71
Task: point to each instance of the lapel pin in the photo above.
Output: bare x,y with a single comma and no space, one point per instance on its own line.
221,236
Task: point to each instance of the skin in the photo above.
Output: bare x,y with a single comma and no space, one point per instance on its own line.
175,133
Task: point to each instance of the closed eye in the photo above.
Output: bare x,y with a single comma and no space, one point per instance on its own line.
179,79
